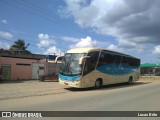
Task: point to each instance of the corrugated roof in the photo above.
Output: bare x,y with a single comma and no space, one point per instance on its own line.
150,65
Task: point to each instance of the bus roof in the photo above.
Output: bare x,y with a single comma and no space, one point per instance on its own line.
83,50
91,49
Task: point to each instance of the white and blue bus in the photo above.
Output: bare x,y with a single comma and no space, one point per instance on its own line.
94,67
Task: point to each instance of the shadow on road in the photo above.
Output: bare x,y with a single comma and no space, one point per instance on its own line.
108,87
48,81
24,81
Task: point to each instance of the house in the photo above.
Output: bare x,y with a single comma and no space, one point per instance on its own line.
21,65
149,69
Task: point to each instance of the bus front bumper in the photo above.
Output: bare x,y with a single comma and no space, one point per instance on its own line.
75,84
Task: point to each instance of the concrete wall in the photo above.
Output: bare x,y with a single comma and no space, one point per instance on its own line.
20,68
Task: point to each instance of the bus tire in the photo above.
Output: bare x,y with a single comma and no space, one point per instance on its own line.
98,83
130,81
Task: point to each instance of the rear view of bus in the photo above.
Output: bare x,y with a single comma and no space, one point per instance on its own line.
95,67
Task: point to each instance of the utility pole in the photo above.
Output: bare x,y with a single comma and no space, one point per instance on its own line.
46,64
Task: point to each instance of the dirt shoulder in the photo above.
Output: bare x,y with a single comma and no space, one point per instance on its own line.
20,89
150,78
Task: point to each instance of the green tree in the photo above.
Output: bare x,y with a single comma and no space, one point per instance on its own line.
19,45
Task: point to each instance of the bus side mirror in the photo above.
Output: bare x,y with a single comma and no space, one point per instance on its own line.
82,59
56,60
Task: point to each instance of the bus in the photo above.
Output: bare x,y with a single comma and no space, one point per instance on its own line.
95,67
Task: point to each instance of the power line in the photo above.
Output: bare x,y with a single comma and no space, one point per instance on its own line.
22,9
46,13
51,15
35,12
68,23
43,13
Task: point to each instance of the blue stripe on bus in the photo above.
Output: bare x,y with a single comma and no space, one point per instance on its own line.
117,69
69,78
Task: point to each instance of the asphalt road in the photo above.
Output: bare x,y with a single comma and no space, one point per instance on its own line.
141,96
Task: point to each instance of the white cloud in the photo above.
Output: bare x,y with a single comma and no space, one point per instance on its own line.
6,35
126,44
131,23
3,36
113,47
53,50
45,40
157,50
70,39
4,21
85,42
4,45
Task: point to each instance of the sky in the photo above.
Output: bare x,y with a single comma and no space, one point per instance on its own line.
55,26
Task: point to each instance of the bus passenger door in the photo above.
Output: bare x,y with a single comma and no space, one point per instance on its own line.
89,68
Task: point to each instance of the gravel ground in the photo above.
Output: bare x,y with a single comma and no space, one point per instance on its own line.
149,78
20,89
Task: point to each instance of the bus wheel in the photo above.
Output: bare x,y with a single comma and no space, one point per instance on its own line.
98,83
130,81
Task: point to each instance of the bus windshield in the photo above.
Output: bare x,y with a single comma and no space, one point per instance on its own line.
70,64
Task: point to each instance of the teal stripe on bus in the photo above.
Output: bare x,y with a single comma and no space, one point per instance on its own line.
69,78
112,69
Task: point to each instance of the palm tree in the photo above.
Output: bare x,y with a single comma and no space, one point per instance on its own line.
19,45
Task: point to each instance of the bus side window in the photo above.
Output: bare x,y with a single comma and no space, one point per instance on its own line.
102,59
109,59
106,58
134,62
125,61
90,63
117,60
